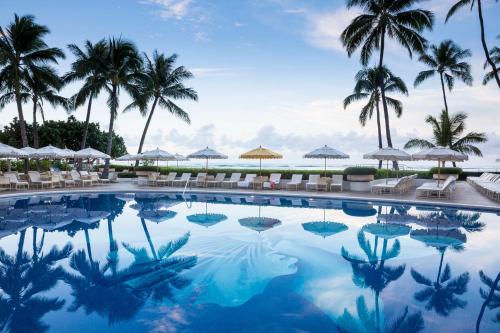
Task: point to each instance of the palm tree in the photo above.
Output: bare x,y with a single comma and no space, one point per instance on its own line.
447,132
23,53
121,70
367,88
163,84
445,60
491,297
463,3
380,19
495,57
88,67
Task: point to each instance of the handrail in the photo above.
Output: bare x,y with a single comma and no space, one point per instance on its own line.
185,187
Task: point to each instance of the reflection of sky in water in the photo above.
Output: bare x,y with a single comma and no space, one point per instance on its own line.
363,275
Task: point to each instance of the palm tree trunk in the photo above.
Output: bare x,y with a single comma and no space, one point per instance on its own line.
105,172
42,113
379,132
35,130
86,128
87,241
22,127
444,91
382,91
143,137
440,266
488,299
148,237
485,47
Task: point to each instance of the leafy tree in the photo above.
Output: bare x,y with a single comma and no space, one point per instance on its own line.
87,67
397,20
64,134
367,88
447,132
162,85
462,3
445,60
23,54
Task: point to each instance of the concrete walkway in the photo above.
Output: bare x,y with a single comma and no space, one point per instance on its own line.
464,196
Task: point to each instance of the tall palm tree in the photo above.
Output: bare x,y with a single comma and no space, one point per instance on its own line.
495,57
367,88
463,3
24,53
88,66
162,85
122,70
447,132
445,60
397,20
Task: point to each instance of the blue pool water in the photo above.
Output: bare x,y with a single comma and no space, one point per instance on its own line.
219,263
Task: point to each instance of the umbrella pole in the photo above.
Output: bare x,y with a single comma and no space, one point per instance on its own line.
206,166
439,171
325,166
387,178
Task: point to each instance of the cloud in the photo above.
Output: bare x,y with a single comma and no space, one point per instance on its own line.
239,24
177,9
201,36
212,71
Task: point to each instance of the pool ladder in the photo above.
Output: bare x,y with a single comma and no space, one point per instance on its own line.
186,187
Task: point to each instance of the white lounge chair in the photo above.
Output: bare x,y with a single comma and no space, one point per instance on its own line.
183,180
36,180
313,182
443,190
273,182
295,182
217,181
199,181
233,180
75,176
166,180
247,181
15,182
337,183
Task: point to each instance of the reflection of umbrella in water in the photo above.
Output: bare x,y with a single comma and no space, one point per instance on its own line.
324,228
358,209
87,216
259,223
125,196
439,238
53,222
157,215
206,219
387,230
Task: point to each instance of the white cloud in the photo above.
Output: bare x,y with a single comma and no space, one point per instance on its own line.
212,71
239,24
201,36
177,9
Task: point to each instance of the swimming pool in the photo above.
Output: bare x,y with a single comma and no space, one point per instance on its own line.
141,262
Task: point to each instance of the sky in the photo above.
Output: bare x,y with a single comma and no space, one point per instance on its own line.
268,72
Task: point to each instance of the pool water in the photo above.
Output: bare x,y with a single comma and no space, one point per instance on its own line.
142,262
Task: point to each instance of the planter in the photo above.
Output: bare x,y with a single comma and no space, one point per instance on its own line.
360,178
363,186
443,176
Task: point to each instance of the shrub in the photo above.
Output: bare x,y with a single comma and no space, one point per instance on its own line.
360,171
447,171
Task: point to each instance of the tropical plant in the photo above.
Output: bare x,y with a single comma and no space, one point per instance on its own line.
88,66
445,60
495,57
23,281
447,132
462,3
491,297
162,85
397,20
23,54
121,70
367,87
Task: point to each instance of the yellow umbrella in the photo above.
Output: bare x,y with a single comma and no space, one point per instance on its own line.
260,154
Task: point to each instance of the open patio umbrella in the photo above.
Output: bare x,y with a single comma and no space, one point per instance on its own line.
28,150
51,153
90,154
180,158
207,154
326,153
127,157
388,154
259,223
260,154
7,151
156,155
440,154
206,219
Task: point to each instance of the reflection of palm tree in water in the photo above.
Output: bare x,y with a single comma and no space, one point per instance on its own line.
374,273
491,297
119,294
22,279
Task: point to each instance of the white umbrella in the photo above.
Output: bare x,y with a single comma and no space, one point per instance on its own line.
181,158
90,153
8,151
156,155
208,154
127,157
326,153
51,152
440,154
28,150
388,154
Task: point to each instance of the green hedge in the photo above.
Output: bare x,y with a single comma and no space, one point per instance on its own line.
360,171
447,171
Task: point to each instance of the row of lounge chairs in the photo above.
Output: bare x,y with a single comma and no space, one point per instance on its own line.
274,181
34,179
394,186
487,183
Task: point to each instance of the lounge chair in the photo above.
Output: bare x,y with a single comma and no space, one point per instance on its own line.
168,179
75,176
5,183
183,180
113,177
233,180
446,189
245,183
152,178
36,180
217,181
337,183
15,182
314,182
295,182
274,181
97,179
199,181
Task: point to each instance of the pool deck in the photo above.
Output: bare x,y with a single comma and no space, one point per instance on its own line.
465,195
